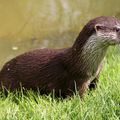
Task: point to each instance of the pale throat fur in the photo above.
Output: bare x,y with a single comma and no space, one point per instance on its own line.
93,54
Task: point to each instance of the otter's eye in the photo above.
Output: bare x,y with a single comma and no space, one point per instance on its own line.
116,29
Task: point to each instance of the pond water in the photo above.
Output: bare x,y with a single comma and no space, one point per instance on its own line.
30,24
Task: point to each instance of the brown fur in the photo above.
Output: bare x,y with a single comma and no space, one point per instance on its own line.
51,69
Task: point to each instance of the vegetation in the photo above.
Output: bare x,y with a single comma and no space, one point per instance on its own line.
101,104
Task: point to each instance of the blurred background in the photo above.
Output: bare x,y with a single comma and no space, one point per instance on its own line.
30,24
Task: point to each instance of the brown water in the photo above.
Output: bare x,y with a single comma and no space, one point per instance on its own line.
28,24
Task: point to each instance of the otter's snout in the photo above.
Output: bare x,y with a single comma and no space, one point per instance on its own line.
109,34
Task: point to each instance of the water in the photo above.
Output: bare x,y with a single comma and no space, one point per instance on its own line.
29,24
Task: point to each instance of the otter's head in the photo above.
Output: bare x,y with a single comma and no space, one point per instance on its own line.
106,29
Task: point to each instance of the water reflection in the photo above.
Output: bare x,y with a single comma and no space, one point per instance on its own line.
29,24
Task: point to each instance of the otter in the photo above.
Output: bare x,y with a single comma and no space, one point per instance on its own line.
64,70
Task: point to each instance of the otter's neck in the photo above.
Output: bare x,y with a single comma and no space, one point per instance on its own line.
89,56
93,53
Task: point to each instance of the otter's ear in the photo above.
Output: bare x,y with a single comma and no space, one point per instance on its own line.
99,27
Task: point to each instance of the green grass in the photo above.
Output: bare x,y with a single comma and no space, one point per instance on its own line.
102,104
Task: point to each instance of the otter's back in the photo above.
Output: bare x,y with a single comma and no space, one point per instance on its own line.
38,68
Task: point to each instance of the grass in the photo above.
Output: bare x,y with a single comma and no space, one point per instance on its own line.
102,104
